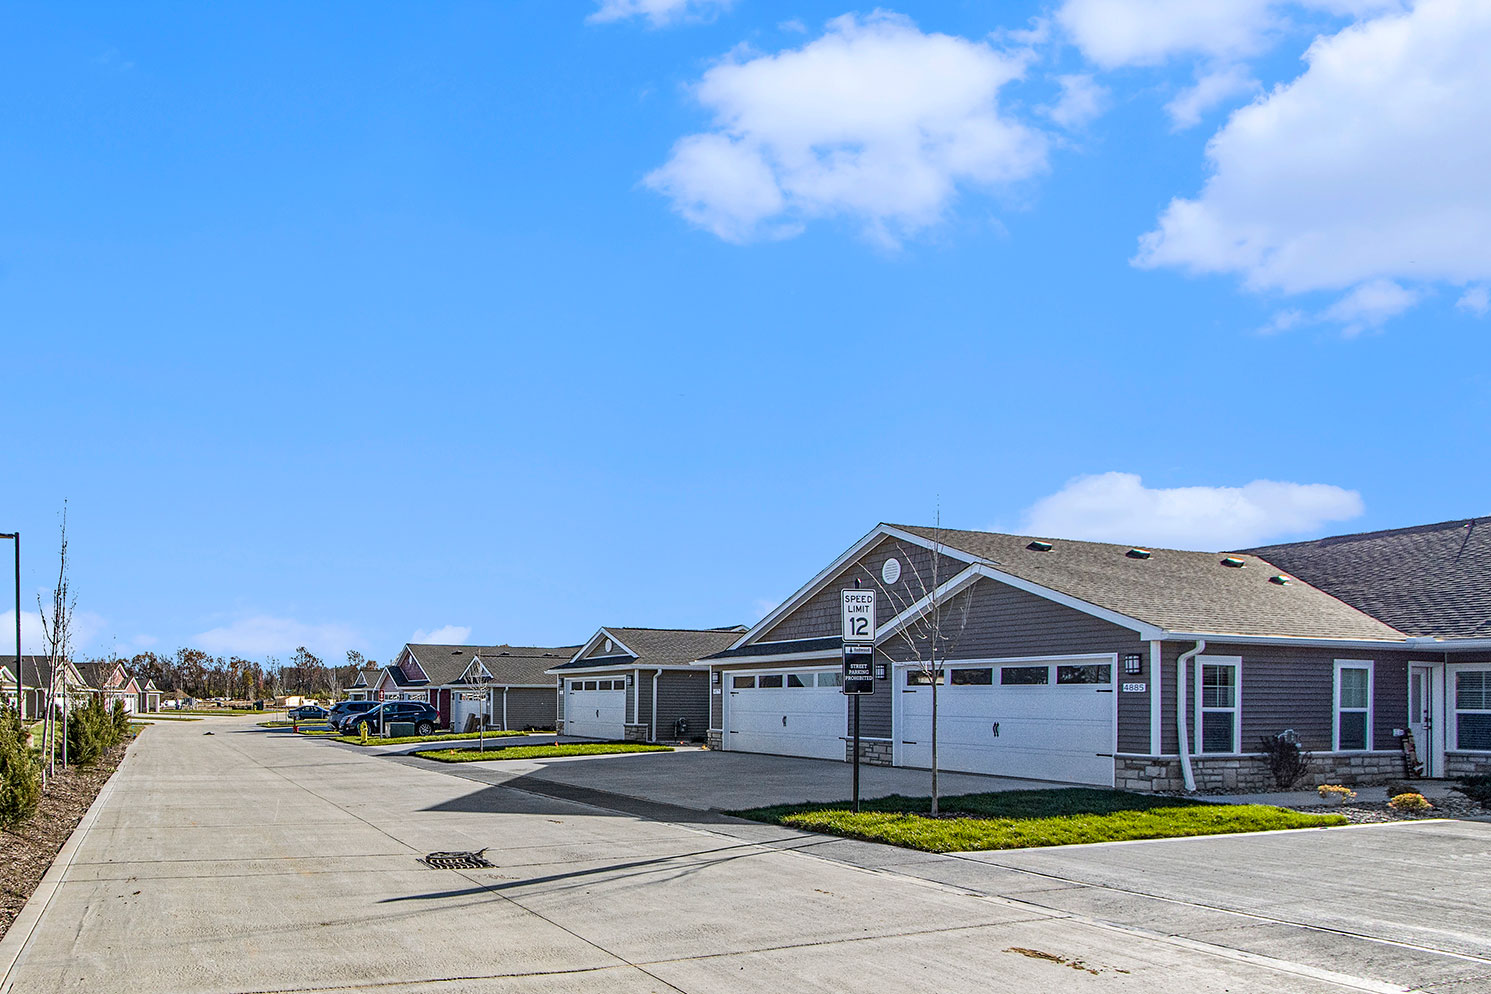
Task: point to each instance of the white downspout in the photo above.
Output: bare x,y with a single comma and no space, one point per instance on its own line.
655,674
1181,667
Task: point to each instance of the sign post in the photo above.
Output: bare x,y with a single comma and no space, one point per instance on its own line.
858,677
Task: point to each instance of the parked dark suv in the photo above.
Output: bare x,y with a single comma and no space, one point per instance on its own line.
424,718
344,711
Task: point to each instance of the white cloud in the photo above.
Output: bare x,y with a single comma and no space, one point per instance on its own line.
1117,507
262,635
659,13
1325,183
1283,321
1476,300
1370,305
1082,100
85,628
444,635
873,121
1115,33
1213,88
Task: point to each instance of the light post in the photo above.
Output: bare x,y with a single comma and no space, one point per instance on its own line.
16,537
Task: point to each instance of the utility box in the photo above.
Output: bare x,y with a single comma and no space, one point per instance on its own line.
400,729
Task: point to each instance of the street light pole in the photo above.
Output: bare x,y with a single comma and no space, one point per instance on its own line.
16,537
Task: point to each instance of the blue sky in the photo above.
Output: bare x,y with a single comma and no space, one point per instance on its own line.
338,323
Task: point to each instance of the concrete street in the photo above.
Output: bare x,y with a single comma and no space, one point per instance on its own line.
250,861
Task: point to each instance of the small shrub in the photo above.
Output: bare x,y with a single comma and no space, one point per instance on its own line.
1331,791
1410,803
1477,788
90,732
1287,762
20,773
119,718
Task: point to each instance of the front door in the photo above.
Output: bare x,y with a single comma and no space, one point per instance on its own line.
1421,714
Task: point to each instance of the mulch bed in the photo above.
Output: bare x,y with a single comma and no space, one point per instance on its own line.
27,851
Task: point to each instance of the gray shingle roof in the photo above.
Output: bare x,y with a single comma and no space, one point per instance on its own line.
781,648
508,664
1172,589
1424,580
662,646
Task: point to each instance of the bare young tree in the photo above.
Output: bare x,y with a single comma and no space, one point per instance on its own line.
932,634
56,629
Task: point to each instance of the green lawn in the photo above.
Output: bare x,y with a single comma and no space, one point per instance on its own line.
1017,819
374,740
539,752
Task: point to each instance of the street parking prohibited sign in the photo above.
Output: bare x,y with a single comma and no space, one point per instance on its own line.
859,668
858,612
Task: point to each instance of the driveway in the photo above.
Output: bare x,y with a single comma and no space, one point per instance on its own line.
247,861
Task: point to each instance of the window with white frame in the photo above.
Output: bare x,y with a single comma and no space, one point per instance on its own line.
1353,711
1473,709
1217,696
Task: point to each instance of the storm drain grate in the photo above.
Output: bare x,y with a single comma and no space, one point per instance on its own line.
457,860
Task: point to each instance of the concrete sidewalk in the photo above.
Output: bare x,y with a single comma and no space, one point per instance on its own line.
253,862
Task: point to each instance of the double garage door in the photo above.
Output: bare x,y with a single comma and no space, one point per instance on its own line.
789,713
595,709
1037,719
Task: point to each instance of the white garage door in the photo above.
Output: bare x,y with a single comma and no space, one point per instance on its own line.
462,705
595,709
791,713
1042,720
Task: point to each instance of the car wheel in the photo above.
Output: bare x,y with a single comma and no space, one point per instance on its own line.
423,728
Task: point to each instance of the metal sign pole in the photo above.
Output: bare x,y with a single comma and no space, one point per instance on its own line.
856,753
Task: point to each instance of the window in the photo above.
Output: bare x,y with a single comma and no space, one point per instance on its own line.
799,679
589,685
1473,709
603,685
1353,712
742,682
1024,676
921,678
1092,673
830,679
1217,704
771,680
973,678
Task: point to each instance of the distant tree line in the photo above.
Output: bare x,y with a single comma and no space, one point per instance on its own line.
198,674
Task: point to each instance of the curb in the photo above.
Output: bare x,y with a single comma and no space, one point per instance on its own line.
18,938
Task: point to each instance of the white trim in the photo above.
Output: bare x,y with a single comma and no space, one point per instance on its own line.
1156,712
781,657
628,665
1354,664
1289,640
819,581
599,633
1201,661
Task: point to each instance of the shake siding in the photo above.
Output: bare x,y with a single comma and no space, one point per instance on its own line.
820,615
643,684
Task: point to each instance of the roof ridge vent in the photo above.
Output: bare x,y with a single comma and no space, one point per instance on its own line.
1038,546
1138,553
1233,562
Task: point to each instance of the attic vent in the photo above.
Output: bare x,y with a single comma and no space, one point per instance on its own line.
455,652
1234,562
1039,547
504,652
1279,578
1137,553
548,654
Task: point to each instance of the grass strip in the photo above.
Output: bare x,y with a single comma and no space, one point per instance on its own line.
539,752
373,740
1019,819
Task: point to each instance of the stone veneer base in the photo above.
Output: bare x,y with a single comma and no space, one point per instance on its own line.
1250,772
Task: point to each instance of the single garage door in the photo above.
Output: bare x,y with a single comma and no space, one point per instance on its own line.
463,704
595,709
1044,721
792,713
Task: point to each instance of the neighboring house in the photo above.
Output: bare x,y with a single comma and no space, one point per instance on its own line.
112,682
457,678
364,682
511,688
149,696
36,678
637,684
1433,583
1094,663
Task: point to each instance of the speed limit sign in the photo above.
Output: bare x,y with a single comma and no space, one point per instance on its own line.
858,615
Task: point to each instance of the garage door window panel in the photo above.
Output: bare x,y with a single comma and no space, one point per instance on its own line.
742,683
1473,710
922,678
769,681
973,678
1097,673
1025,676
